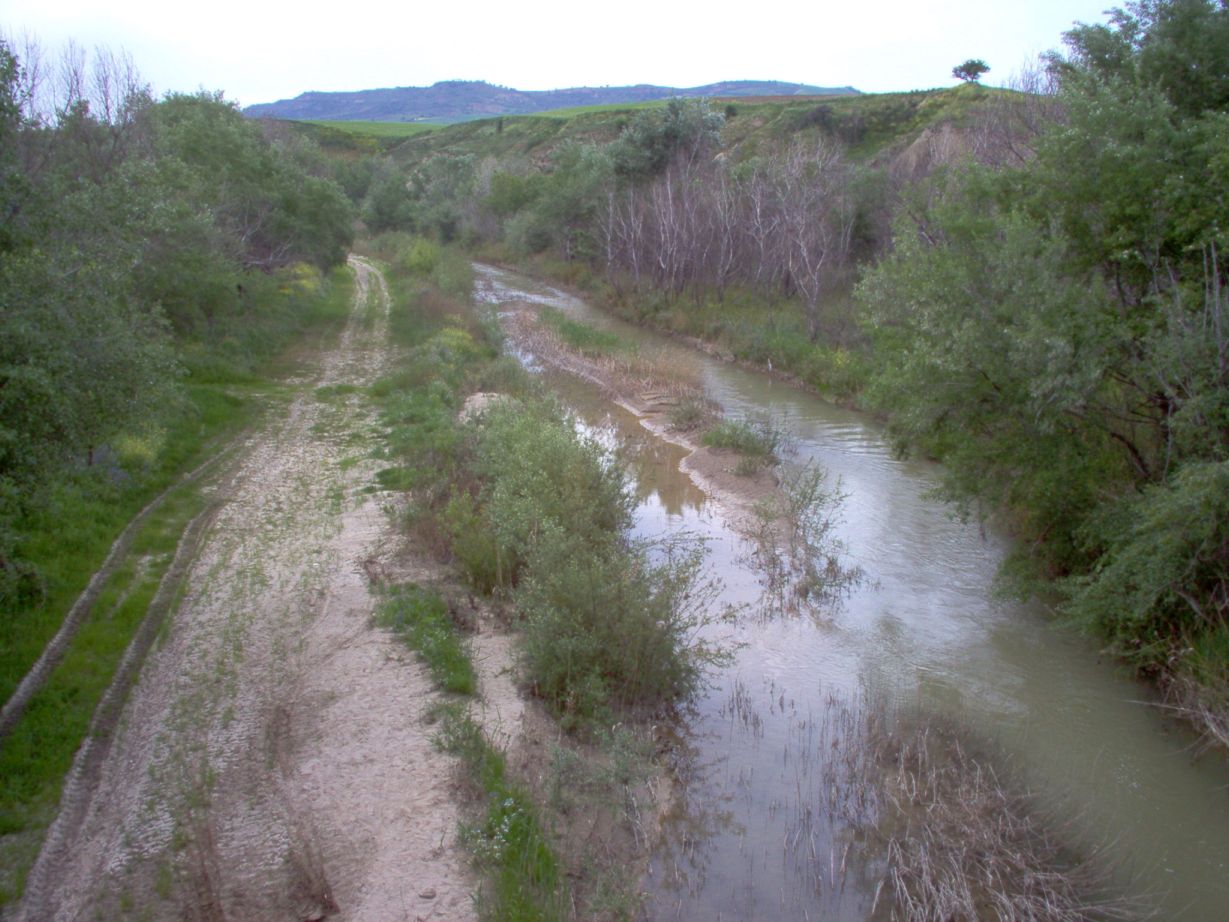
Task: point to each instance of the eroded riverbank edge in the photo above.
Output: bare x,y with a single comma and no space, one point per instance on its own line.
1198,708
940,778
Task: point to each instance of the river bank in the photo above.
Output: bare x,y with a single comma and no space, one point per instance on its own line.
926,632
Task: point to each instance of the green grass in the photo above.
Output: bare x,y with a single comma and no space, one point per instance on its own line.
586,339
69,533
381,130
508,842
421,618
867,124
605,108
332,391
758,438
36,756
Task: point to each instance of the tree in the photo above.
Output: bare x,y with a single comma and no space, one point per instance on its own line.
1059,333
971,70
268,211
683,129
12,181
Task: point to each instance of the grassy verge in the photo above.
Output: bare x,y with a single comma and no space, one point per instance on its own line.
534,517
68,532
507,838
525,883
739,325
422,619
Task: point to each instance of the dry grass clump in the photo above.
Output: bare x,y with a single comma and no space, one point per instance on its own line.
1204,706
960,840
962,843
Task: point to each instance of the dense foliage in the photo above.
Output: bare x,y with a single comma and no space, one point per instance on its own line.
1059,333
1041,301
139,239
534,512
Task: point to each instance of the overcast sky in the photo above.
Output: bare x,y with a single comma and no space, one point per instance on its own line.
260,51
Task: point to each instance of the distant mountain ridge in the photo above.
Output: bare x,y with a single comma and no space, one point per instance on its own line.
461,100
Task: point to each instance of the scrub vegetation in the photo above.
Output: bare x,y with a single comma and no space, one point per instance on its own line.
1028,284
535,517
144,302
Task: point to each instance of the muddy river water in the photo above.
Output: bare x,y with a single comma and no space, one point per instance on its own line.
922,632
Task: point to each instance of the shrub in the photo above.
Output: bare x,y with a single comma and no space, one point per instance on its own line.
473,545
688,415
505,375
540,476
1163,577
453,274
605,628
421,257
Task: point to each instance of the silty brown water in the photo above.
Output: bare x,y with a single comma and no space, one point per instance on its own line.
923,632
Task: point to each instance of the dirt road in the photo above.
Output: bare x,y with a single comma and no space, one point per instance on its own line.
272,762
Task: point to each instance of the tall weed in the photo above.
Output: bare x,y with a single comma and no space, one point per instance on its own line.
606,629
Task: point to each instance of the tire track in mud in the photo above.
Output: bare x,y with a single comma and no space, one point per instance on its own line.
272,761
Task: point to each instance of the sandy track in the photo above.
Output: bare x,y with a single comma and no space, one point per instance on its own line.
272,762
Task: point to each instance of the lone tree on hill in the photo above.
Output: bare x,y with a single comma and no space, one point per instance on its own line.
971,70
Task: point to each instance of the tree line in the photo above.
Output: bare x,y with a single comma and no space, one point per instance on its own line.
1059,334
1043,307
134,233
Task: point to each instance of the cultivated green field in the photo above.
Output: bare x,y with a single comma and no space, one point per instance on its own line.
376,129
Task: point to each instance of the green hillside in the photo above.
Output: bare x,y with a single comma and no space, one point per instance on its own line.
867,124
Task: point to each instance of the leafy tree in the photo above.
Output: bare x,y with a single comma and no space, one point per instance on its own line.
971,70
1163,575
13,187
1059,333
387,205
82,356
441,193
117,215
510,192
992,355
683,128
1177,47
571,196
269,213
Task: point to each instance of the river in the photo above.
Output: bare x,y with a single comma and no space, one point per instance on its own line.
923,632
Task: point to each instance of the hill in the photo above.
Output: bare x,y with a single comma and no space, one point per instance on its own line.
461,100
868,126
